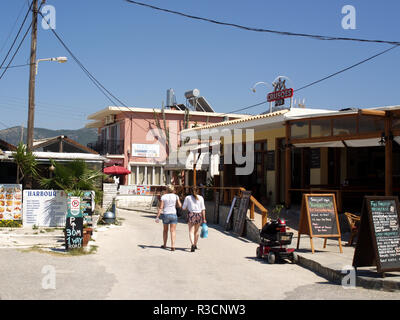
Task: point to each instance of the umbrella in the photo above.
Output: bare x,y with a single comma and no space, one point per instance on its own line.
116,170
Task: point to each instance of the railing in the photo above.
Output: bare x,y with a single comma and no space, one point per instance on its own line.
108,147
228,194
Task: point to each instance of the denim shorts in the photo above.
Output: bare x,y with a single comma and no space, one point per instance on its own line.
169,218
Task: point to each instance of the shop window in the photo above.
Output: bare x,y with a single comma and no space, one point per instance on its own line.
396,123
299,129
320,128
149,180
344,126
371,124
157,176
133,175
141,176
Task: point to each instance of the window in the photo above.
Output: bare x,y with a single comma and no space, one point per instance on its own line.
320,128
299,129
148,175
371,124
344,126
141,177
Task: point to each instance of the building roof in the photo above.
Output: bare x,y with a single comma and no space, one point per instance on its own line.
43,156
274,119
41,143
5,146
99,116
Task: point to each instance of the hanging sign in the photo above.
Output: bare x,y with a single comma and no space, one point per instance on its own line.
378,241
319,218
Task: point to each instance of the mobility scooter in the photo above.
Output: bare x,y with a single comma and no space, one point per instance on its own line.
274,242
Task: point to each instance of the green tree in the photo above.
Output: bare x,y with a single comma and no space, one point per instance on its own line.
74,178
27,166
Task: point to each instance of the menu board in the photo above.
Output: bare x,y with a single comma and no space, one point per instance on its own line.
271,160
238,226
318,218
315,157
379,236
322,215
44,208
10,202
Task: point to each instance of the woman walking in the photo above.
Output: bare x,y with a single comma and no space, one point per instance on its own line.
194,203
169,202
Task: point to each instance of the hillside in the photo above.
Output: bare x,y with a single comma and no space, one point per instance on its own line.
83,136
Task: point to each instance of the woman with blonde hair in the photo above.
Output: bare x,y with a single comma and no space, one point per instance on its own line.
194,203
169,202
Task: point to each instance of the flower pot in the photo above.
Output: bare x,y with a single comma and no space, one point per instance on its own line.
87,233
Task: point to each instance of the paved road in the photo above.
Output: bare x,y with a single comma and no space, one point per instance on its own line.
130,264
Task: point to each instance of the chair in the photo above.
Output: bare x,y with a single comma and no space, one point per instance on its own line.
354,222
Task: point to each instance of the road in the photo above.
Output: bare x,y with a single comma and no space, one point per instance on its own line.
130,264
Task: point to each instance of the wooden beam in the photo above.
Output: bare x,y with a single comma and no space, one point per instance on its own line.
288,167
375,113
388,158
339,138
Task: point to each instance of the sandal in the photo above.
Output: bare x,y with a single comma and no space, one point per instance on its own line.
193,248
172,249
164,247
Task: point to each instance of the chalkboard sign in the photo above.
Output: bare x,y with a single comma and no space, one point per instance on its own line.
318,218
239,223
74,233
315,158
74,224
271,160
379,236
322,215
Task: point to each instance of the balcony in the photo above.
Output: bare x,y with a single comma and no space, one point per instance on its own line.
108,147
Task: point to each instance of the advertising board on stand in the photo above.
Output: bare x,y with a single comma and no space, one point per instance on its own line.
44,208
10,202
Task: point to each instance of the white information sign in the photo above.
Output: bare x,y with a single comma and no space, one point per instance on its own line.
146,150
44,208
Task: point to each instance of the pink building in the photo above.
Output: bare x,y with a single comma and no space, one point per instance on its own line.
135,138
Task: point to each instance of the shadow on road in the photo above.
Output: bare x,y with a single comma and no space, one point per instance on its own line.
159,248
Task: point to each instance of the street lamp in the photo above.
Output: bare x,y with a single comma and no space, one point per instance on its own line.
261,82
59,60
32,84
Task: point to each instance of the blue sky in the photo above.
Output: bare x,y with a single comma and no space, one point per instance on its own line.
138,53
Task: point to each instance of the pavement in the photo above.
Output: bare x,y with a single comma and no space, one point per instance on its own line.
329,262
129,264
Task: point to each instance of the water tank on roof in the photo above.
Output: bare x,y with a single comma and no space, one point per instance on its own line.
195,93
171,100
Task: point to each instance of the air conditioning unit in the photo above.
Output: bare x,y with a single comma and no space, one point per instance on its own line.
110,119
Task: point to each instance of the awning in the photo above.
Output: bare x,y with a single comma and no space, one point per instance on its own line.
355,143
327,144
374,142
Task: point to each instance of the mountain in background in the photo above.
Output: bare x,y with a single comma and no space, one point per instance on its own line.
82,136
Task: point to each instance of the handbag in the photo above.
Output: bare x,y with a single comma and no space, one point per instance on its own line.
204,231
178,209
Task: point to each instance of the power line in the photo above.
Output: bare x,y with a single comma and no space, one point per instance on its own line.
16,37
325,78
16,66
346,69
12,29
285,33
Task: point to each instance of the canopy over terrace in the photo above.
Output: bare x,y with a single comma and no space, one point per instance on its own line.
362,129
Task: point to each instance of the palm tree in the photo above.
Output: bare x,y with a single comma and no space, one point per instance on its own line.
74,178
26,163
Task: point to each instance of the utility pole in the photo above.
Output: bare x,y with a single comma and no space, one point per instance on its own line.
32,76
